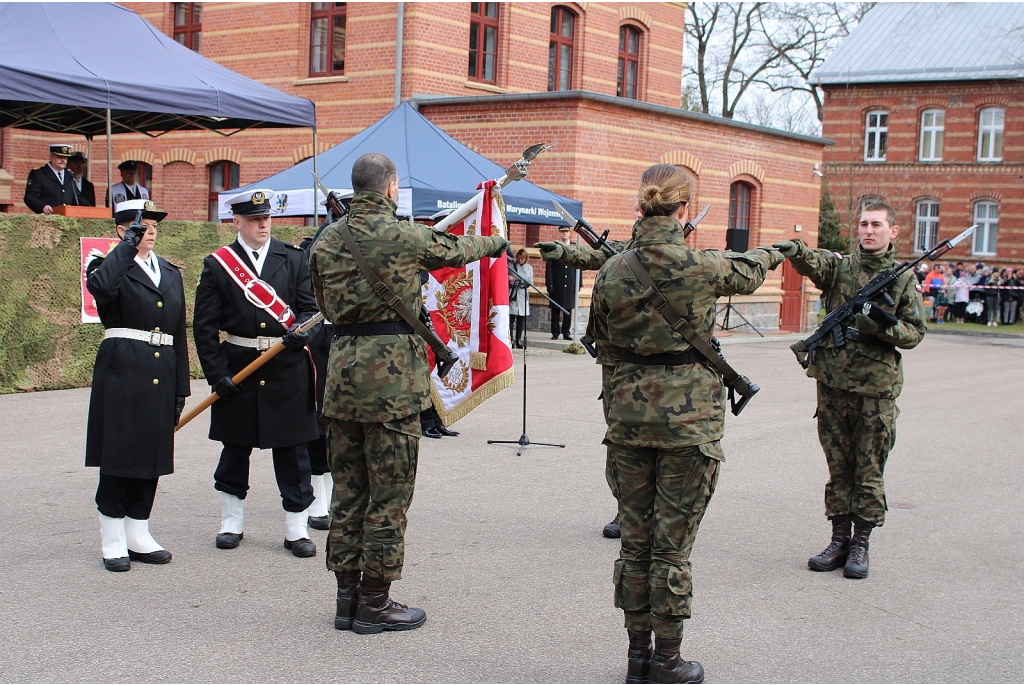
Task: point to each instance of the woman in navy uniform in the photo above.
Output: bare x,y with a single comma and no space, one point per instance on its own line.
139,384
274,408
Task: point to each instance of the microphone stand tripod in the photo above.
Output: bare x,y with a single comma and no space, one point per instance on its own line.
524,440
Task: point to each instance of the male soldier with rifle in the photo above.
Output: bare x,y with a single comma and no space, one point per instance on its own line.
365,271
859,375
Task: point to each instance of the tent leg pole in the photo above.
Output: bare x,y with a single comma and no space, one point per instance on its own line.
88,155
316,203
110,161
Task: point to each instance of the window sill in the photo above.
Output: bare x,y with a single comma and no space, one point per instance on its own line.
874,161
317,80
485,86
4,176
990,161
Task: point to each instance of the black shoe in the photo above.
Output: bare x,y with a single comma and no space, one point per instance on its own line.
229,540
566,337
857,562
118,565
301,548
161,556
349,589
638,665
612,529
432,433
447,433
377,612
555,336
319,522
834,556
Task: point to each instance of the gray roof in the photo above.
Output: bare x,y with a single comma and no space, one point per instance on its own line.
930,41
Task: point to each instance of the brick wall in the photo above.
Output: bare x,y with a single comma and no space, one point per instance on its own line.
957,182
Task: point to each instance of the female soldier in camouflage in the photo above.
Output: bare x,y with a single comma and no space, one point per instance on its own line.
665,416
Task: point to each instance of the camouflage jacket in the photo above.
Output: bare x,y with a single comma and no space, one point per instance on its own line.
859,367
668,406
377,378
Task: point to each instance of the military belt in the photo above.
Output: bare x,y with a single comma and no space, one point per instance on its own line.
854,334
691,356
262,343
385,328
154,338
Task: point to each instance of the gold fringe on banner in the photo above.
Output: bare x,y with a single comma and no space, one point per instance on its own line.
478,361
484,392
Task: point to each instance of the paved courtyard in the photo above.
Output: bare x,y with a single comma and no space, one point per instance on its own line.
506,557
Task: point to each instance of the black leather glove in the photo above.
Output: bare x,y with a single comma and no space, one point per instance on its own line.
551,251
179,406
133,234
500,252
226,388
787,247
295,340
879,315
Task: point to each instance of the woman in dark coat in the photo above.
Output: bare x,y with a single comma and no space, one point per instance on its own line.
139,384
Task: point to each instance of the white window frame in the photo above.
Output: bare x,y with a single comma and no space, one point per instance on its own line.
926,225
932,134
990,134
874,135
984,242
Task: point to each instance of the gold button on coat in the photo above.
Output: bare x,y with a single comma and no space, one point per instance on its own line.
159,304
156,381
157,329
263,325
263,383
156,355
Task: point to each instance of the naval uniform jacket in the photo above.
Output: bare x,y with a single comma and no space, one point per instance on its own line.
87,195
276,405
134,384
562,281
44,188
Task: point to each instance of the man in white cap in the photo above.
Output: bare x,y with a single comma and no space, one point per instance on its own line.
256,290
52,184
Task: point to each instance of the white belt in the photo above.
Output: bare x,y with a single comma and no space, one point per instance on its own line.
155,338
261,343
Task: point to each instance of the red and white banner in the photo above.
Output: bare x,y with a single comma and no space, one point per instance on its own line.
91,249
469,309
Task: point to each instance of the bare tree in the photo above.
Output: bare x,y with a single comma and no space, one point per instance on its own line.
803,35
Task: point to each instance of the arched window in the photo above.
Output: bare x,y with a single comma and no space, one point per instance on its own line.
926,225
876,133
223,176
739,205
986,215
560,50
933,125
629,62
483,41
990,134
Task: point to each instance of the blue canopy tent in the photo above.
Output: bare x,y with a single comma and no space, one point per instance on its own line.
63,68
435,172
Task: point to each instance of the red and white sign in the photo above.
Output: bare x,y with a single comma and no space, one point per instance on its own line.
91,249
469,309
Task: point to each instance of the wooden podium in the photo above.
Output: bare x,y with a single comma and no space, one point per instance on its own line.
83,212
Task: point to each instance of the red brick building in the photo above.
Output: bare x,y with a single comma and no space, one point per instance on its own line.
936,133
601,80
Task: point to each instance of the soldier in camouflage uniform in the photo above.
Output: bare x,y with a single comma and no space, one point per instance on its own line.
378,383
585,258
858,384
665,415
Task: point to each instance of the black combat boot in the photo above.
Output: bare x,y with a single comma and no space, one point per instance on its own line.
376,611
612,530
640,653
857,562
349,590
668,667
834,555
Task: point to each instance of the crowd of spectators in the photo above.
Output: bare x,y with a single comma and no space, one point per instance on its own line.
972,294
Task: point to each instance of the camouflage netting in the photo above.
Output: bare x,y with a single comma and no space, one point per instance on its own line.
43,343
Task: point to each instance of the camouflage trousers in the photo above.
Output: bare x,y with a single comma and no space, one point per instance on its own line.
374,471
662,496
856,432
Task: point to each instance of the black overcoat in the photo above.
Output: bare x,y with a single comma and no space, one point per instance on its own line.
87,196
276,405
560,280
44,188
131,409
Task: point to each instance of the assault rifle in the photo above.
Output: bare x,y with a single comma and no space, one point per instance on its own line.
840,318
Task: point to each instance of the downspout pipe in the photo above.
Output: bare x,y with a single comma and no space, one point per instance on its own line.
399,42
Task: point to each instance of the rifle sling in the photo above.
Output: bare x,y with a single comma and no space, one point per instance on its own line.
386,293
677,322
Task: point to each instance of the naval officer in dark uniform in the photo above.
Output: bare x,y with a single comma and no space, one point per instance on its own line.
84,188
274,408
139,384
52,184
